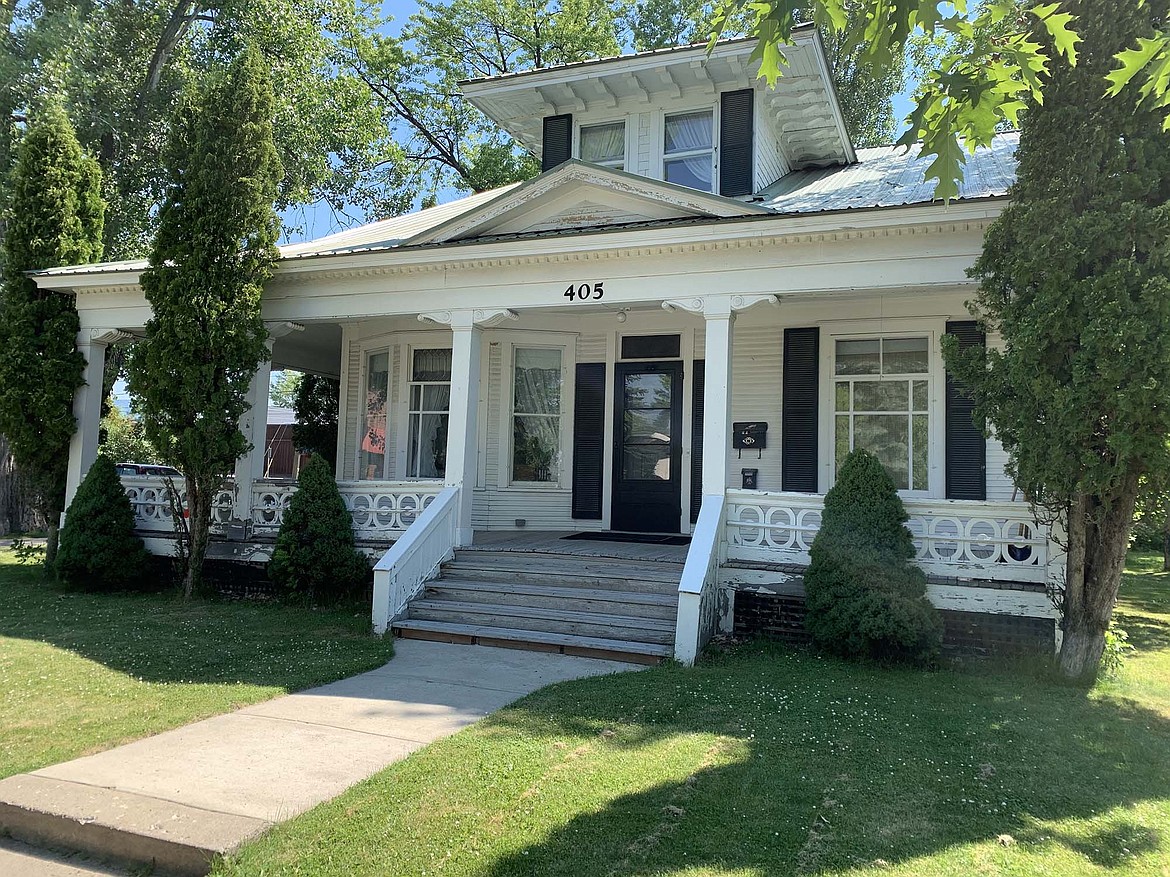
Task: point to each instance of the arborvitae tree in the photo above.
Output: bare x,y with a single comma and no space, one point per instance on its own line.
215,248
864,595
54,217
316,408
99,550
1075,277
315,555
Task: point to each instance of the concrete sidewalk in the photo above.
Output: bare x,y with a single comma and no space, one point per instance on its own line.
183,796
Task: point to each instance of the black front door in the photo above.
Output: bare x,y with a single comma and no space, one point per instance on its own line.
647,478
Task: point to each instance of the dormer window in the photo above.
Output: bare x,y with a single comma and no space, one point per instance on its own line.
604,145
689,150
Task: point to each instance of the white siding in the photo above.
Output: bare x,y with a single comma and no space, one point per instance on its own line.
643,163
397,407
757,360
591,348
999,484
352,376
770,164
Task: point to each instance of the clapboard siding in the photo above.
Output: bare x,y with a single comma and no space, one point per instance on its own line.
494,509
591,348
352,422
644,148
398,408
770,164
757,360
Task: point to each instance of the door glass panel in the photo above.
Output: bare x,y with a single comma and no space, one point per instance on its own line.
646,462
647,391
646,439
648,427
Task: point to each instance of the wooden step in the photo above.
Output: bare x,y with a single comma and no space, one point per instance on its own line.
565,571
597,600
566,644
567,621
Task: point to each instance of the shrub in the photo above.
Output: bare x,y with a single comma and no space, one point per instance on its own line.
98,549
315,555
864,595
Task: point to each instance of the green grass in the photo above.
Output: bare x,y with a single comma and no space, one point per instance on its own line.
772,762
84,672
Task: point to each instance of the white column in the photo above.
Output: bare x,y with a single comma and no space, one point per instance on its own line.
87,410
717,395
254,426
462,438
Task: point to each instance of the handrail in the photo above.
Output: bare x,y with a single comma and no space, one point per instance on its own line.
415,558
698,599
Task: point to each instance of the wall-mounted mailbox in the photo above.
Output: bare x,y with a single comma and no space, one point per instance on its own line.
751,436
751,478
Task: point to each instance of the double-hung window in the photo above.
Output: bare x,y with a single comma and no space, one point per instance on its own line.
688,150
604,145
372,449
536,415
881,391
430,402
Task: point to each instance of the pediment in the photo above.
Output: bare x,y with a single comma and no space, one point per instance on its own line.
578,195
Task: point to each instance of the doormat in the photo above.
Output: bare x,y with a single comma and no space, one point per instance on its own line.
640,538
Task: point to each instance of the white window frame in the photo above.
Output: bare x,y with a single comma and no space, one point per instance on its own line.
567,345
365,351
407,381
578,126
660,149
861,330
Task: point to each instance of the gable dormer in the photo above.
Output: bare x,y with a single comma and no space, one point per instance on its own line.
698,119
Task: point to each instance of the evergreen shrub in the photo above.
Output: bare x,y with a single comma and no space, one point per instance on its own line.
315,555
864,595
98,549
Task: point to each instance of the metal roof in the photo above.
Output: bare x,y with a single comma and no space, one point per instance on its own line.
890,176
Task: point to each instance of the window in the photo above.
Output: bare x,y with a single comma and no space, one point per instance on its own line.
372,451
430,400
536,416
881,392
604,145
689,150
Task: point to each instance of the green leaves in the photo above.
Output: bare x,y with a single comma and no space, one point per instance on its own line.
1057,24
1150,59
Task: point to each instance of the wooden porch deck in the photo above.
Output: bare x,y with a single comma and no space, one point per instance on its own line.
554,542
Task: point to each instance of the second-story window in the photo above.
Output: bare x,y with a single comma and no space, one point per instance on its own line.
689,150
604,145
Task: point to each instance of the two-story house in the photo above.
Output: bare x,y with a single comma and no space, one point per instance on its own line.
678,329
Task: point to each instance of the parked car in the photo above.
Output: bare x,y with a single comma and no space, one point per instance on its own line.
148,469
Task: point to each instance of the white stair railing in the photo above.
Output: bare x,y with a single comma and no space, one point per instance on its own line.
698,592
415,558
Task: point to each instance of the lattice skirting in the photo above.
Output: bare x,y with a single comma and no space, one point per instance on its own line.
969,634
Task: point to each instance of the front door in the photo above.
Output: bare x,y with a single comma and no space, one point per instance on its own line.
647,480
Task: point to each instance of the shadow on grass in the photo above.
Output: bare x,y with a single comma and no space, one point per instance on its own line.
845,766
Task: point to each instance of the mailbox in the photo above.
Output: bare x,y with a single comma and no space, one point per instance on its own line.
751,478
751,436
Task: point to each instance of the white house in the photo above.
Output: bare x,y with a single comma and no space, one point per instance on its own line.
679,327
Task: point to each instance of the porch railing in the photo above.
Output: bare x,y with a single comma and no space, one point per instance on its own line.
415,558
378,508
152,504
698,592
954,538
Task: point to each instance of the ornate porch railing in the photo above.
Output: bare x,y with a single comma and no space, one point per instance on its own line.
955,538
153,511
378,508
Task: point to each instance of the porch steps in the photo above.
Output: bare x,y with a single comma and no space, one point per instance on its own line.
610,607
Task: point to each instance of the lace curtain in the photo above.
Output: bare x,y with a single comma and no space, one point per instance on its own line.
604,143
536,422
432,365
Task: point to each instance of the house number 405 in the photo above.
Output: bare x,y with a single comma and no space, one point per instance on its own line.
585,291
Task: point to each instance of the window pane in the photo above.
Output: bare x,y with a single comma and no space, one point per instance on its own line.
841,441
537,382
859,357
688,131
693,172
905,356
921,396
648,390
888,437
372,462
428,445
604,143
648,427
842,395
646,462
921,457
432,365
536,451
881,396
436,397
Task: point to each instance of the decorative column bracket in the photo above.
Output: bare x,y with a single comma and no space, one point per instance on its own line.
718,305
110,337
484,318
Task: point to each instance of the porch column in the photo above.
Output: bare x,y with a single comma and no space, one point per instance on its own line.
720,320
462,443
87,405
254,426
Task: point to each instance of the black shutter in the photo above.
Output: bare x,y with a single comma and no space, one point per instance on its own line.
798,418
736,164
588,438
966,449
697,387
558,141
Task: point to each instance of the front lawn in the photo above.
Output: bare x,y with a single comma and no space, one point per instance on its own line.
772,762
84,672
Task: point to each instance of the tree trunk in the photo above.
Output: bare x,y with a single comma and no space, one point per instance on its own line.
1166,550
199,494
1098,540
52,534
